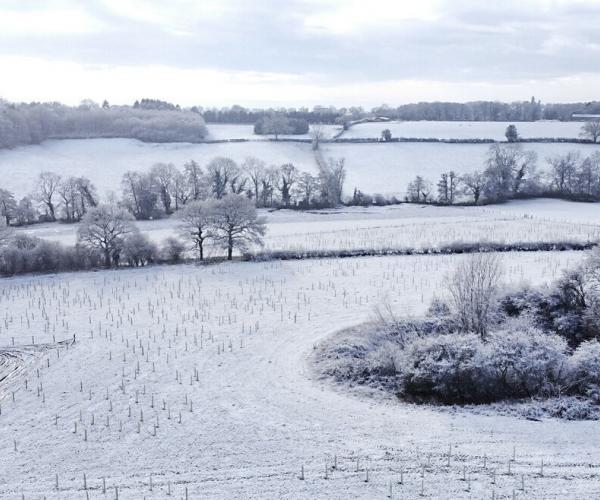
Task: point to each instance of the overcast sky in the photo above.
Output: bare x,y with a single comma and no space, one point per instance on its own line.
299,52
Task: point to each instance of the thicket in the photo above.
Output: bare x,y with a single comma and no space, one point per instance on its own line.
22,124
540,346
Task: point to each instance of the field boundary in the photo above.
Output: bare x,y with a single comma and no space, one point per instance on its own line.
450,249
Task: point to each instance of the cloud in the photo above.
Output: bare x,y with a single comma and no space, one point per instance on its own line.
318,44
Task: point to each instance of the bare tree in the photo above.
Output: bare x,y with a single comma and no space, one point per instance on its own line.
508,167
47,186
237,223
220,172
197,223
196,180
8,205
472,288
288,177
103,229
163,175
181,193
591,130
255,170
473,185
418,190
317,134
87,193
307,186
67,190
25,212
331,181
564,169
139,194
268,182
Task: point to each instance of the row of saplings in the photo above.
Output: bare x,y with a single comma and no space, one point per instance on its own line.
483,347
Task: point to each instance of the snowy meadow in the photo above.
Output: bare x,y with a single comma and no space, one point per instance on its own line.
189,381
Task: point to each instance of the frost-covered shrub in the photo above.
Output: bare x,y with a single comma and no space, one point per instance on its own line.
570,408
585,369
446,368
571,308
172,249
438,309
519,302
525,364
138,250
461,368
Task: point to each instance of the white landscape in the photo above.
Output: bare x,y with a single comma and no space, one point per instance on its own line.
228,348
333,250
373,168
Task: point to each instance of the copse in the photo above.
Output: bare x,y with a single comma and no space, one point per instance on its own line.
20,123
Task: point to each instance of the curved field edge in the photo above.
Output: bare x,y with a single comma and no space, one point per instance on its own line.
353,360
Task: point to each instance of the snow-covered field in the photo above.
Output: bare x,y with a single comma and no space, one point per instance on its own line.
227,131
392,227
464,130
227,348
388,168
373,168
105,161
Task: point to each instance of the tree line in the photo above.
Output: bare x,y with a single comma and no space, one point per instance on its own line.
517,111
165,189
510,171
23,124
108,236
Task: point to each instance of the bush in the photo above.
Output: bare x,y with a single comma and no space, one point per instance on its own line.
461,368
172,249
585,369
446,368
525,364
138,250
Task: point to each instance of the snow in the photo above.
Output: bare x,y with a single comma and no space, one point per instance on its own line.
373,168
227,131
558,210
465,130
388,168
258,411
381,228
105,161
